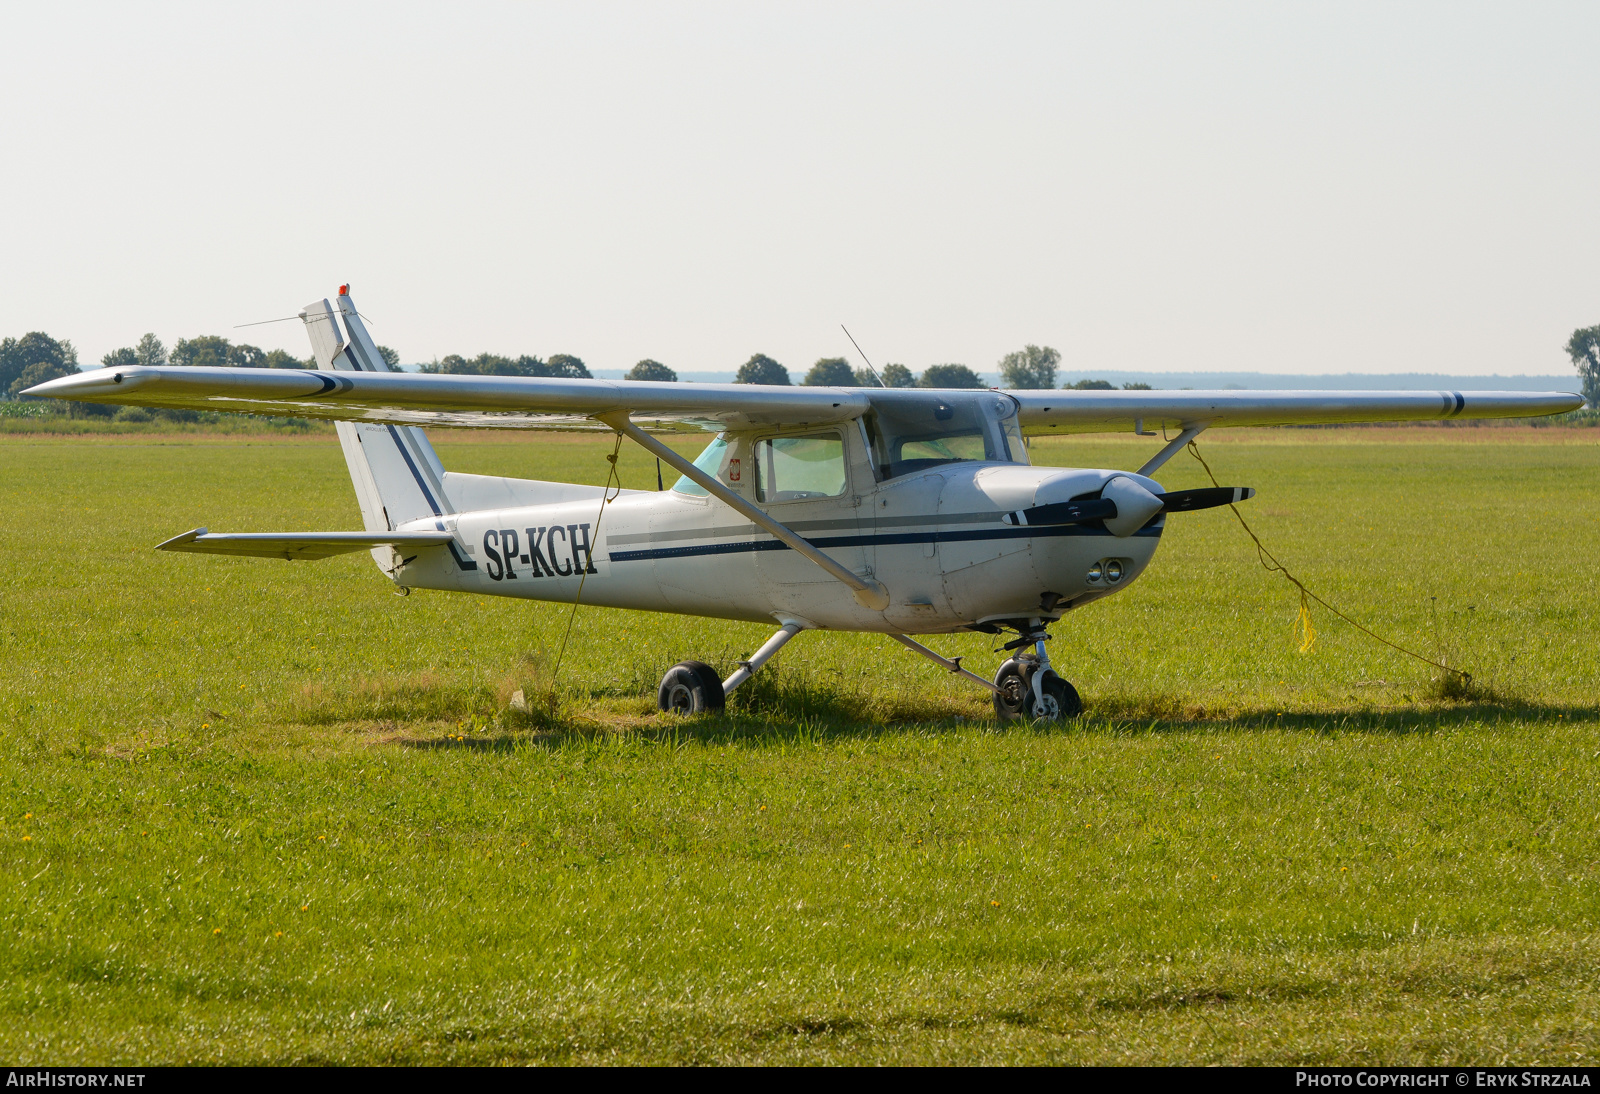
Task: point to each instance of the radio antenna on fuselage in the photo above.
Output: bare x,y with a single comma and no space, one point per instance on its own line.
856,344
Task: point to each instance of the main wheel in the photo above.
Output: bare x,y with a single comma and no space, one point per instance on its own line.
1010,702
690,687
1015,698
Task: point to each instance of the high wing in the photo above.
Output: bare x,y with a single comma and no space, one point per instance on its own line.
505,402
513,402
1045,412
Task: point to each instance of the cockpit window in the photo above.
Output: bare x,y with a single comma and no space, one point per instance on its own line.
797,468
709,461
911,432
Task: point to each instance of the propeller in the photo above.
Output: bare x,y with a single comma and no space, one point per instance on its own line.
1187,501
1083,510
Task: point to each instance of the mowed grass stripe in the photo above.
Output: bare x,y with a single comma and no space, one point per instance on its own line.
1242,854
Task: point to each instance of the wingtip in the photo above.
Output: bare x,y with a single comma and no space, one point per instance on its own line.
50,388
178,541
98,382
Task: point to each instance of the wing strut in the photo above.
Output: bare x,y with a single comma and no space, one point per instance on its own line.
1173,447
869,594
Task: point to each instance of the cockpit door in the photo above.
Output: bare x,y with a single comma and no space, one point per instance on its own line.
818,484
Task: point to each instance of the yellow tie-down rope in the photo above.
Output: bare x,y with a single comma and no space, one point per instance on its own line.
1303,627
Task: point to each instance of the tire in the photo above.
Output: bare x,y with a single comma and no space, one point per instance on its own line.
690,687
1015,699
1067,702
1012,700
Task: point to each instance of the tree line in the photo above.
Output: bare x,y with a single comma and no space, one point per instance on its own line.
36,357
1031,367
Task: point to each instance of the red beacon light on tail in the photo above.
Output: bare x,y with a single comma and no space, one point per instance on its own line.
344,290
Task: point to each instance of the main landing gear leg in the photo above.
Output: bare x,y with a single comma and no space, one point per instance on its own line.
693,687
1027,687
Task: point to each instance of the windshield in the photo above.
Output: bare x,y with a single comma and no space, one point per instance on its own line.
911,432
709,461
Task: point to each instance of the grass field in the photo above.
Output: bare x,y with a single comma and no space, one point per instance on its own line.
260,812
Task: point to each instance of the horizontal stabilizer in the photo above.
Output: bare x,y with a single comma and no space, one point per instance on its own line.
297,545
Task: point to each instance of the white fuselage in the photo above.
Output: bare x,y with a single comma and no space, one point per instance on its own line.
944,542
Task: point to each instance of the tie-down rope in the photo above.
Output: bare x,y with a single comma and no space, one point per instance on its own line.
606,498
1308,634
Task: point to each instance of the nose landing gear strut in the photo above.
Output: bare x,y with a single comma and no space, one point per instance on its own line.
1027,687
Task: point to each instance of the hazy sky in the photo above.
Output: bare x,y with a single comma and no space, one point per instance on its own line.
1286,187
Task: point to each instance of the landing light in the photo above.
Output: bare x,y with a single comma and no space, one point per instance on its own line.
1108,570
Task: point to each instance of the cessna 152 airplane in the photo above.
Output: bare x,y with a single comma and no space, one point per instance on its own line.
894,511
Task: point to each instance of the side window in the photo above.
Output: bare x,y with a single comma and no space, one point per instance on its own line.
794,468
709,461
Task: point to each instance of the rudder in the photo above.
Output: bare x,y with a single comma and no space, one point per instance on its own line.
397,476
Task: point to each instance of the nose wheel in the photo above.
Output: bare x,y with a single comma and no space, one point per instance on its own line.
1027,687
1016,697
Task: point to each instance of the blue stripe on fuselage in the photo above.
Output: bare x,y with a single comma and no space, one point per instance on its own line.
889,539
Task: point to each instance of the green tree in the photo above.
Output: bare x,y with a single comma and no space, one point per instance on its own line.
38,373
949,376
1030,367
761,369
1584,349
493,364
206,351
651,370
864,378
830,372
1135,385
485,364
898,376
390,357
243,356
36,348
214,351
567,366
1091,385
453,364
126,357
150,351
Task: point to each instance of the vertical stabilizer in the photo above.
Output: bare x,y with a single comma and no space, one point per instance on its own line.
396,474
